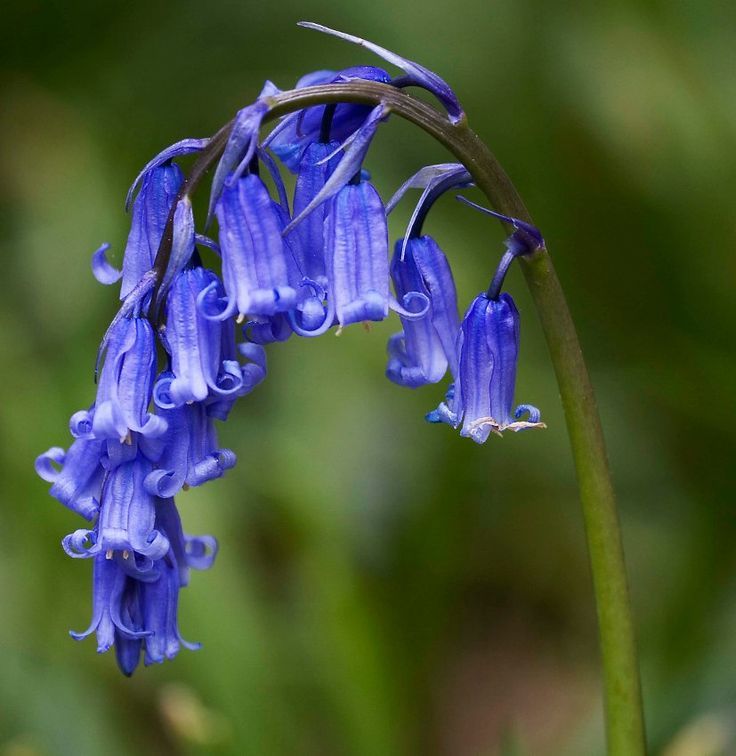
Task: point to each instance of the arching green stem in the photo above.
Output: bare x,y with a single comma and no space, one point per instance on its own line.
623,704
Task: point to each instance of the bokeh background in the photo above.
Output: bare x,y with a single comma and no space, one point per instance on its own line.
384,586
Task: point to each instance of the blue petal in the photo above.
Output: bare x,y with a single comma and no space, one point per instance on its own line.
78,483
314,172
195,341
201,551
241,145
418,356
267,330
259,271
127,513
449,411
80,424
124,389
434,270
348,166
182,243
184,147
150,213
45,462
190,452
357,251
102,270
159,602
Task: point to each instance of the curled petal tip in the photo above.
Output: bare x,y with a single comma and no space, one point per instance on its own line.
45,464
102,270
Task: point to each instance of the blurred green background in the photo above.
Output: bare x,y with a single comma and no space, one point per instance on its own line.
384,586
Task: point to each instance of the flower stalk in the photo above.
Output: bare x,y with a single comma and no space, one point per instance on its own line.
623,702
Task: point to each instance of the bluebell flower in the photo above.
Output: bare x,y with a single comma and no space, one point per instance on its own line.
315,167
356,245
159,597
258,267
425,348
356,239
482,396
124,389
188,454
135,601
115,611
159,604
126,519
157,194
194,341
159,183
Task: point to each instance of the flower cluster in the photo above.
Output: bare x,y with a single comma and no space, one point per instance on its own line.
187,343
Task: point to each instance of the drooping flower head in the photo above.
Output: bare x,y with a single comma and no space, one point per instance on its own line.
172,366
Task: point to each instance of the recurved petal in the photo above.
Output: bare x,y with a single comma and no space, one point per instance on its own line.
201,551
102,270
80,424
45,464
77,485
